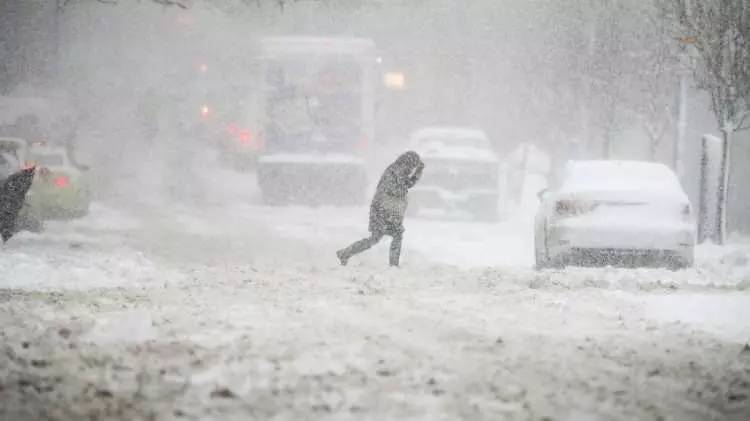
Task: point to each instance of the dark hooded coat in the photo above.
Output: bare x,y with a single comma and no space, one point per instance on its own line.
389,203
12,196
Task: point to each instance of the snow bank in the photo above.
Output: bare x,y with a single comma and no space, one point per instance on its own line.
724,315
37,269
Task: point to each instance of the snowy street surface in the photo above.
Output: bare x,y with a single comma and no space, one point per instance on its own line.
237,312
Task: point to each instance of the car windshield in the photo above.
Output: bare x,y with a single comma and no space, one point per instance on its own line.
51,160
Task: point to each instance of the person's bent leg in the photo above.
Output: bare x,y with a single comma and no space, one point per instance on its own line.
358,247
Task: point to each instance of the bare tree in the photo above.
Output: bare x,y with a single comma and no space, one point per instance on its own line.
717,34
655,68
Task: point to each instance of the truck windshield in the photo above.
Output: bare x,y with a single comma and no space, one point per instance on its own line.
313,104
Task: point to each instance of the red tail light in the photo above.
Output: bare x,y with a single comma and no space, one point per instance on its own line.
61,181
245,137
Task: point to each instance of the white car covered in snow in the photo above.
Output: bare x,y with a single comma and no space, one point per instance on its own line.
615,213
460,176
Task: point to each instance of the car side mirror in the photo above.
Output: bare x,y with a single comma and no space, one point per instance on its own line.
542,193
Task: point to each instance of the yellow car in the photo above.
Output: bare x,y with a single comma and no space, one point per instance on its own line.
61,189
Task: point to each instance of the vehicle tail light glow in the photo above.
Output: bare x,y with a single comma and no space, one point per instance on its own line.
205,111
244,137
573,207
61,181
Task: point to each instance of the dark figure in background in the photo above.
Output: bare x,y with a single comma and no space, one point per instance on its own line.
12,196
388,207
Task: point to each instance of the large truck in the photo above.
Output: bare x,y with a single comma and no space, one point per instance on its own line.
317,106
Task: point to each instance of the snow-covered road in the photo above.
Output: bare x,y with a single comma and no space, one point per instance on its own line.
241,312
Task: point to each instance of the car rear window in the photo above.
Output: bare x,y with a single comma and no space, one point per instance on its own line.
620,175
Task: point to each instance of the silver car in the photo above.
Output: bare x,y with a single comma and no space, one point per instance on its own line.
624,213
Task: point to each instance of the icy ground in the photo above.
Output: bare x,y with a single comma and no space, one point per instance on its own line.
236,312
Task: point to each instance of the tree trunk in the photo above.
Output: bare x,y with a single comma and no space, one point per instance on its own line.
721,215
703,222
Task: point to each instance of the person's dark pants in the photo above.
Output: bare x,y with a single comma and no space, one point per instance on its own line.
374,238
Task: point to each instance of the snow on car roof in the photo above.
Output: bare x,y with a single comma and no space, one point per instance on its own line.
448,143
619,175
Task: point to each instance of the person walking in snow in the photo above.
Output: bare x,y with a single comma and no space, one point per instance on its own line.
388,207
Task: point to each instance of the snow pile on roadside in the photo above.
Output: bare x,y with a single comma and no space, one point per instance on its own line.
102,217
731,261
38,269
644,279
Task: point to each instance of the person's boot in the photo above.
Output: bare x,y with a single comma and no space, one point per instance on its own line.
343,257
